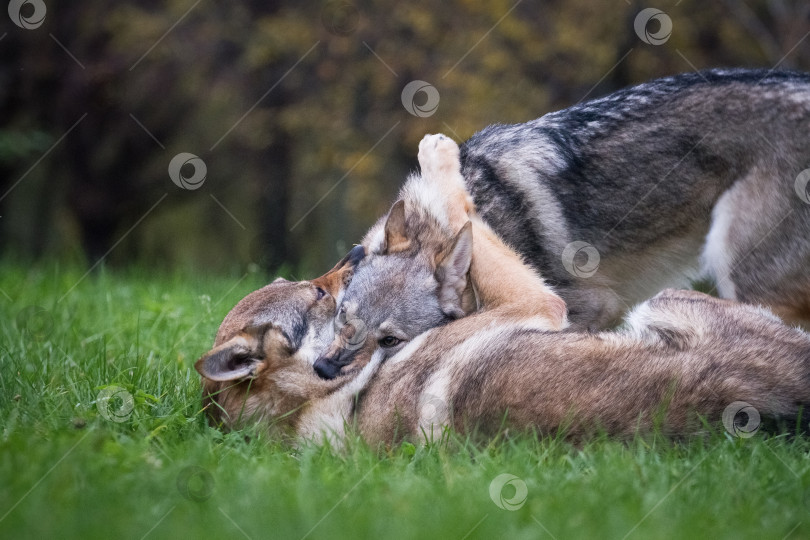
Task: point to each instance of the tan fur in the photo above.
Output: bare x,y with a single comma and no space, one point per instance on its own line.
702,356
283,383
509,288
497,285
425,225
683,354
440,163
794,306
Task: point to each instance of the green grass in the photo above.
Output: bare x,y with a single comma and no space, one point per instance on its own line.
68,472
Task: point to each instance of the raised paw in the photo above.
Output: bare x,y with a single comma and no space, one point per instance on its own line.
439,156
439,159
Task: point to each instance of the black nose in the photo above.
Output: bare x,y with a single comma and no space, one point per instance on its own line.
326,369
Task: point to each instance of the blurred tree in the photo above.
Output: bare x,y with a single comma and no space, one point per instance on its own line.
295,108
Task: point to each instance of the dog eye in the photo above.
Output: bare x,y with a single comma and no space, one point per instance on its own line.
389,341
321,292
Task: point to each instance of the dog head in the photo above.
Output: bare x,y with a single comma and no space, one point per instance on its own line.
261,364
415,280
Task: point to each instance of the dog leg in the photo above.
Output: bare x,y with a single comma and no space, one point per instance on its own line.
762,261
503,283
507,287
439,159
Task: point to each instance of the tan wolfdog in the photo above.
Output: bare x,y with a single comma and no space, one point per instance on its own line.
441,329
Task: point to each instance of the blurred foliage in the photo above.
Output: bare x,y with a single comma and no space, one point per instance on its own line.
295,108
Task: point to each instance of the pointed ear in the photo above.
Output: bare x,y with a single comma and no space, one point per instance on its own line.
469,299
338,278
452,267
396,236
242,356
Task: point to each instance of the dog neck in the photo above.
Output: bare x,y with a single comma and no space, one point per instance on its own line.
326,416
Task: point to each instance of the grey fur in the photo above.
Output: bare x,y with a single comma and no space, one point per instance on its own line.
682,354
637,175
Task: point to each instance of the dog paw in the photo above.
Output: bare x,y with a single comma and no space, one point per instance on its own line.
440,161
439,156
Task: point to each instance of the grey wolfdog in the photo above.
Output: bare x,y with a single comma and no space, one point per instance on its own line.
695,175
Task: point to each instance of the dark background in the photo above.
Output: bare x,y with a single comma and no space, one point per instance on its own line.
295,108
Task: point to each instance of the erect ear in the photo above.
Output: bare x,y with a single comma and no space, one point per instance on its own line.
242,356
396,235
339,276
452,267
351,259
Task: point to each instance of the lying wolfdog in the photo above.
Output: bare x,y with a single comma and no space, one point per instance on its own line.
291,323
613,200
483,355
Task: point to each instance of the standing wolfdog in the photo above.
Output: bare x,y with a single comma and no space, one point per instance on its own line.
614,199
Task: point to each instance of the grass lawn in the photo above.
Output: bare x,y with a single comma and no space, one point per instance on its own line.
142,463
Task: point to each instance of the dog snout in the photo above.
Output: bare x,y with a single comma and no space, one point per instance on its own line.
325,369
328,366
